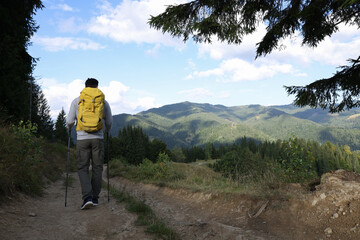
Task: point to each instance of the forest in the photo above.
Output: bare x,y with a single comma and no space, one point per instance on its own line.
294,160
32,145
21,97
27,127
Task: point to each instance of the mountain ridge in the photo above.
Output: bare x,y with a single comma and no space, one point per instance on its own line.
188,124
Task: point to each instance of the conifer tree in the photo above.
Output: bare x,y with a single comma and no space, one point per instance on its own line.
231,20
134,144
16,65
178,155
41,113
156,147
61,132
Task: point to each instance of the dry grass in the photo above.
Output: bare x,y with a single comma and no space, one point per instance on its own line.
199,176
26,161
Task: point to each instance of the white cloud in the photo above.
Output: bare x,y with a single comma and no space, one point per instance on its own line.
224,94
71,25
128,22
197,93
60,95
63,7
115,94
236,70
189,77
55,44
238,63
153,51
192,64
144,103
334,50
222,50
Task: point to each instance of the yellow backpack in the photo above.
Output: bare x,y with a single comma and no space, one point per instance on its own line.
91,110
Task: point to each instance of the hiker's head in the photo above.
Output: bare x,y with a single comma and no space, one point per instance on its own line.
91,82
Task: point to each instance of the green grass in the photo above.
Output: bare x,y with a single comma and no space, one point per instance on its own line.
54,159
146,217
189,124
27,162
199,177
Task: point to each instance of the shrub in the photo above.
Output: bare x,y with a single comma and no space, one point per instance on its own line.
242,163
146,169
294,160
297,161
20,168
156,171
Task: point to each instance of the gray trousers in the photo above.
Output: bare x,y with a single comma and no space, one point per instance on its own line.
90,151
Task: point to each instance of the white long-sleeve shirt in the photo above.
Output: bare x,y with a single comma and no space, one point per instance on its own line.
82,135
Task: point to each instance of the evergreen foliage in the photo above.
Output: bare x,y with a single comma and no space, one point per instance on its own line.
231,20
16,65
325,93
194,153
157,147
294,160
133,145
190,124
61,132
41,113
20,97
177,154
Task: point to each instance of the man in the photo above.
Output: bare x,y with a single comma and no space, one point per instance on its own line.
90,144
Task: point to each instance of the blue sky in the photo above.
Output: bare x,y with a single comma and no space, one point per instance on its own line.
140,68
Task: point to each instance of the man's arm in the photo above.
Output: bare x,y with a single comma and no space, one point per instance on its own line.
108,116
71,117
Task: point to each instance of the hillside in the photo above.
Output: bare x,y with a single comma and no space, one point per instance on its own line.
187,124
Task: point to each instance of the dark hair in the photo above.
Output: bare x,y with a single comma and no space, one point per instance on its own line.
91,82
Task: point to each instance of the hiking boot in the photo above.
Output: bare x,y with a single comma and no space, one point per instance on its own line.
88,203
95,201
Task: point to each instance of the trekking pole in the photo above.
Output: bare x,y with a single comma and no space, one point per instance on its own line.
107,169
67,169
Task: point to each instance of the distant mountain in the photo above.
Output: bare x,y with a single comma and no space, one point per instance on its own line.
188,124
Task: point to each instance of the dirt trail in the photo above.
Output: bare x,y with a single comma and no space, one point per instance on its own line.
332,211
47,218
193,215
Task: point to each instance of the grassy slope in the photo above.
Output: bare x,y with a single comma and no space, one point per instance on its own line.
198,176
28,163
188,124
